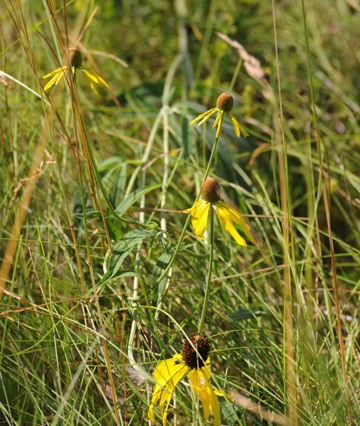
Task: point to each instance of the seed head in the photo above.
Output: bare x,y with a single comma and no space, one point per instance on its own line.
211,190
75,57
195,355
225,102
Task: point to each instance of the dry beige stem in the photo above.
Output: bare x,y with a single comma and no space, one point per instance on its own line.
257,409
251,64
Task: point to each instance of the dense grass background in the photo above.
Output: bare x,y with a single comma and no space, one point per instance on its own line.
66,355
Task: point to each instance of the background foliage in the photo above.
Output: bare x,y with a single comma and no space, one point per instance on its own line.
58,342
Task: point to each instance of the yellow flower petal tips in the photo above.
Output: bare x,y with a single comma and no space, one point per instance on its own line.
195,363
75,59
224,103
227,215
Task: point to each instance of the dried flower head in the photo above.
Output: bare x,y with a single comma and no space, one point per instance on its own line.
195,351
224,104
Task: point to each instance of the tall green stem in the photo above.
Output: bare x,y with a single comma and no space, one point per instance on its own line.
177,248
208,281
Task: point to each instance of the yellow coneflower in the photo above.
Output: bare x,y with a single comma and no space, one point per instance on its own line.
75,59
224,103
227,215
194,362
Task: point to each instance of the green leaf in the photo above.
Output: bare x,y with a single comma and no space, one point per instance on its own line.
118,274
159,268
110,163
114,228
122,249
118,185
243,314
133,197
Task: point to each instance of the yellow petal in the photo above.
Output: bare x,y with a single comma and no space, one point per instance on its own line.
200,381
195,206
100,79
218,118
220,392
55,72
199,219
237,218
211,112
59,78
94,89
226,222
90,76
237,126
167,393
199,117
162,374
219,126
53,80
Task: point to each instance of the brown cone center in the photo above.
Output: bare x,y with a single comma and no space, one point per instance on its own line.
75,57
196,353
211,190
225,102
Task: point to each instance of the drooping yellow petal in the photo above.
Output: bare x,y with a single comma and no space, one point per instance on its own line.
53,80
200,381
226,222
55,72
195,206
99,78
218,118
237,126
219,126
94,89
237,218
90,76
211,112
169,389
220,392
199,219
199,117
61,75
162,375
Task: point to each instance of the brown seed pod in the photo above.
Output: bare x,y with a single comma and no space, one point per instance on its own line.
211,190
75,57
195,355
225,102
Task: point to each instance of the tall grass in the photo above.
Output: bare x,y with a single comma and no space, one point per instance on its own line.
101,274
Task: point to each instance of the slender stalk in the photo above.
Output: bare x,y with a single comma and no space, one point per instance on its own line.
177,248
285,207
208,281
326,198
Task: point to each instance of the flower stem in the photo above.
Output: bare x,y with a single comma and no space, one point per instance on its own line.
208,281
177,248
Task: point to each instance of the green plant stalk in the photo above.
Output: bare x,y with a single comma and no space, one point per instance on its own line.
177,248
208,281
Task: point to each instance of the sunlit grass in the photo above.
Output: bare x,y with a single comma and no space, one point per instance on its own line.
103,277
